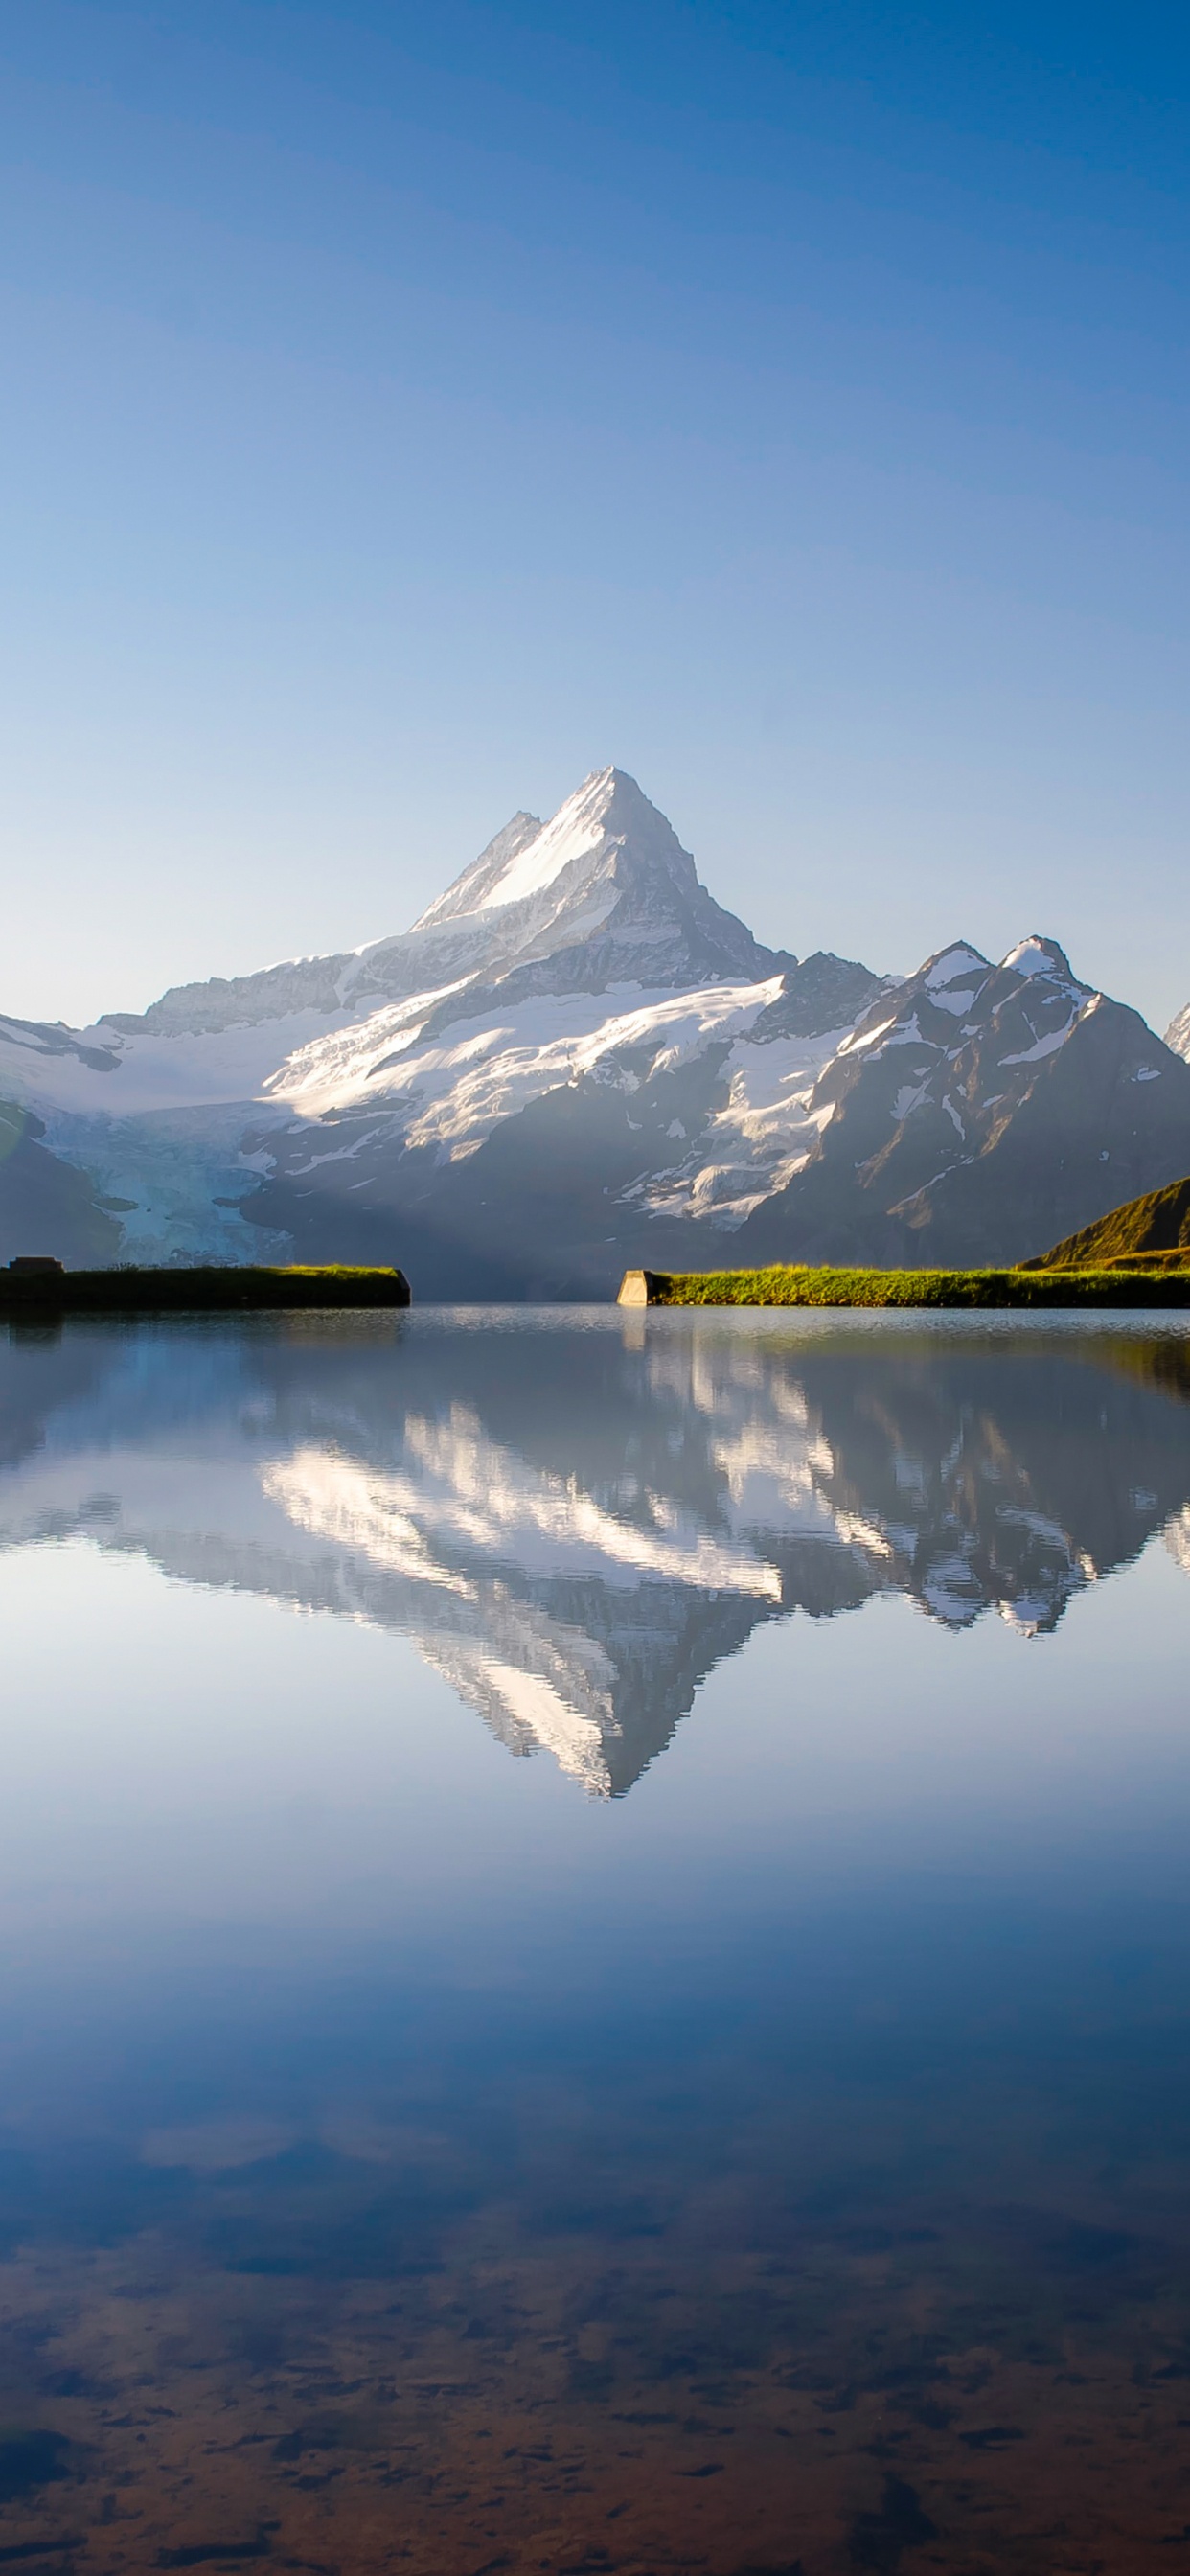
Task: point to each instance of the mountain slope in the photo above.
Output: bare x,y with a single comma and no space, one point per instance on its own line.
1157,1223
973,1110
45,1203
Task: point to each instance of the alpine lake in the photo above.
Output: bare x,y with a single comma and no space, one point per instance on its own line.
595,1917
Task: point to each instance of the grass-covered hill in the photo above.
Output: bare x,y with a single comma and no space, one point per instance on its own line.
1137,1255
1153,1228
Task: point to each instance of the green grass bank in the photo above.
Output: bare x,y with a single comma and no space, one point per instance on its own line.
794,1284
42,1291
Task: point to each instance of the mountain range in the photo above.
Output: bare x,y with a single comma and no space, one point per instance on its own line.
576,1062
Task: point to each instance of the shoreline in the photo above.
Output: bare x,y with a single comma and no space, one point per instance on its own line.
196,1291
789,1284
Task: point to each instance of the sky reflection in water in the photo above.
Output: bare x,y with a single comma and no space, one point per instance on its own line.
597,1961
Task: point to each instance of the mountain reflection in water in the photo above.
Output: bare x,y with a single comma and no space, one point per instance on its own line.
576,1525
412,2167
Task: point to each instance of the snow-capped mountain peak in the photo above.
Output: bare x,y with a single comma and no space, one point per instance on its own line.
971,1087
1038,956
606,819
577,1062
958,965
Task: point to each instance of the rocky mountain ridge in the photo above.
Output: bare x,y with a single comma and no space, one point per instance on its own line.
576,1061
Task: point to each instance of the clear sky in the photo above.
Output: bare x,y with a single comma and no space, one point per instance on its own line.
410,405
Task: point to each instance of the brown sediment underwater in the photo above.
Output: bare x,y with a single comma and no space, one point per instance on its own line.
764,2382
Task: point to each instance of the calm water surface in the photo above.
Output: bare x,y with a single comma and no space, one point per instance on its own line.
596,1945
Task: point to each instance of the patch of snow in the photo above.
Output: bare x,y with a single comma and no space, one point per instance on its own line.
859,1045
774,1472
1025,1616
677,1026
910,1035
454,1089
332,1497
756,1143
1177,1035
331,1065
540,1711
338,1154
854,1531
461,1493
1043,1046
159,1073
951,1593
575,831
527,1707
1039,1525
1176,1535
947,968
1031,957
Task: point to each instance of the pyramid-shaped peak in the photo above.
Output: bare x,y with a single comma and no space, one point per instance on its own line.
613,798
608,810
524,860
603,788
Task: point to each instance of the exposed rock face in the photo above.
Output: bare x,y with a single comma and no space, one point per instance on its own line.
1177,1034
577,1062
824,992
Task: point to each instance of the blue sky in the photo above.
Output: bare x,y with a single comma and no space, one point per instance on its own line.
409,408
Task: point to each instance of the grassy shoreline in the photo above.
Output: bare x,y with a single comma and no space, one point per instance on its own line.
198,1291
796,1284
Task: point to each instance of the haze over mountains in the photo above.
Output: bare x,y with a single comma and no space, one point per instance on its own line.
577,1061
